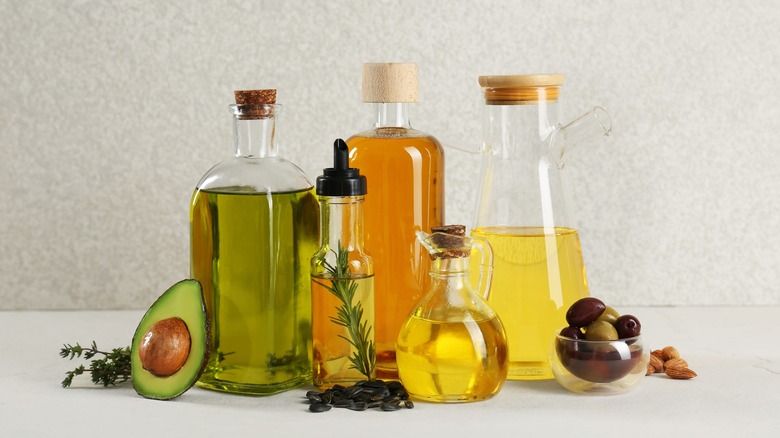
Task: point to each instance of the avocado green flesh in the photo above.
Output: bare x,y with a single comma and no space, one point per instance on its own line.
183,300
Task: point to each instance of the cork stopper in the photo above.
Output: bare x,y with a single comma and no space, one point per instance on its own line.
389,82
255,97
255,104
450,243
521,89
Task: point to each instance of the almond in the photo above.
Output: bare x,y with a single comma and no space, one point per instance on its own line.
658,354
650,370
669,353
676,363
680,373
656,363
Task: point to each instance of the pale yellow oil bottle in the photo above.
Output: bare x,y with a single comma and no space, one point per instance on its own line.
452,361
537,275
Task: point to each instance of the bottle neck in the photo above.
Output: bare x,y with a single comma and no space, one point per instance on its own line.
254,130
451,276
391,115
342,222
514,127
456,266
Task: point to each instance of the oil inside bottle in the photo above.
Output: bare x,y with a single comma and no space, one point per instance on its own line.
250,251
536,277
330,346
452,361
405,168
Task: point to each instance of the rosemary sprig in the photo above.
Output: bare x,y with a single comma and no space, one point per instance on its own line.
112,369
349,314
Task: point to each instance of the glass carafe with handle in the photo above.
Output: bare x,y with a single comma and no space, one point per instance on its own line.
538,266
452,347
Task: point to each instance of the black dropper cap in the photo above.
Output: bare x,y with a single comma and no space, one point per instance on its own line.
341,180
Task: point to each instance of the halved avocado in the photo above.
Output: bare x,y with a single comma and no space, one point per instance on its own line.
171,344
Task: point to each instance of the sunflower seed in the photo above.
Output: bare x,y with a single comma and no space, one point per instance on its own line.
319,407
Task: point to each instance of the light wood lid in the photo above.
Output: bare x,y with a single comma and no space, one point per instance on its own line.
521,89
389,82
546,80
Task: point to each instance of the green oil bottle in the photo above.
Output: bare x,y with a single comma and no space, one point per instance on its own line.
254,226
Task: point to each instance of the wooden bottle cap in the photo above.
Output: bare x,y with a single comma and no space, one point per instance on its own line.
255,104
455,230
448,238
389,82
521,89
255,97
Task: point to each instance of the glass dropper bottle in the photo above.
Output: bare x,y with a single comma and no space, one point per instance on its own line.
342,276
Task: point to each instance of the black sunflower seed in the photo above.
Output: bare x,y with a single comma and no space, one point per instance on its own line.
358,406
343,403
319,407
375,384
352,391
390,407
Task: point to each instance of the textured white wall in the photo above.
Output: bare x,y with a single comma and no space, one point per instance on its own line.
110,113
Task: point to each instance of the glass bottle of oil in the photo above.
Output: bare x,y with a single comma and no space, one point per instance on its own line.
342,279
453,346
538,271
406,170
253,229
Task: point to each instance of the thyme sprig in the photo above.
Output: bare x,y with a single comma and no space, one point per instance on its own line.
113,368
350,314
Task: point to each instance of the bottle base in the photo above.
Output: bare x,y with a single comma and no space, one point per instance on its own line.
215,384
537,370
387,373
458,398
327,384
386,365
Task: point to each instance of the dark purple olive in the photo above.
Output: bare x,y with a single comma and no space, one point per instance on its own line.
572,332
584,311
628,326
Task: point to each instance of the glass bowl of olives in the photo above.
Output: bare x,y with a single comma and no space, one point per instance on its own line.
600,352
599,367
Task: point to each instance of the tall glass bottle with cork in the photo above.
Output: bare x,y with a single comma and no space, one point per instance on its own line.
253,224
406,170
342,276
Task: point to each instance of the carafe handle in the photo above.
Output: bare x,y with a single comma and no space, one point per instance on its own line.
485,264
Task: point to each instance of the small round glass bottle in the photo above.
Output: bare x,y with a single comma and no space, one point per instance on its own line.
342,280
453,346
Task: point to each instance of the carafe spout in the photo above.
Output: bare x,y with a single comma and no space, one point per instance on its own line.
590,126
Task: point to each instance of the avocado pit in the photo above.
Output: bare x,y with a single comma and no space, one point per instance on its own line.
165,347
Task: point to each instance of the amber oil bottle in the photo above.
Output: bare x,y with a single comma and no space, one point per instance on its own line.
406,171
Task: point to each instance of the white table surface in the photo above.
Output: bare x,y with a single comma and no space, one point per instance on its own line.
735,351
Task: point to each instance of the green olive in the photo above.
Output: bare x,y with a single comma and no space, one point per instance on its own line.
601,331
610,315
